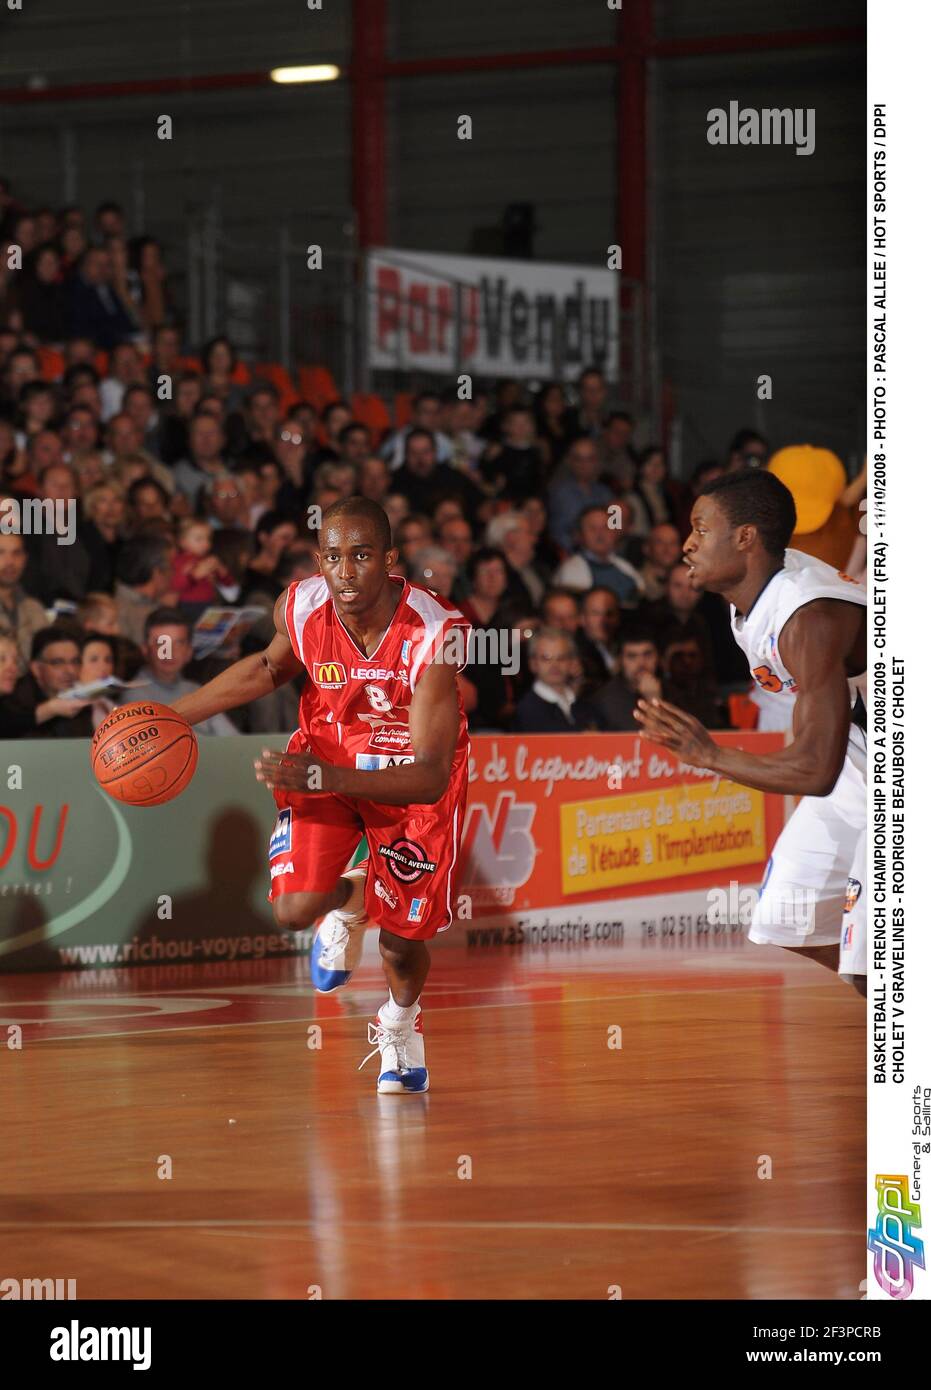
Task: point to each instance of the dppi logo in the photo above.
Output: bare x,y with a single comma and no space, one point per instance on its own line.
499,849
9,835
897,1252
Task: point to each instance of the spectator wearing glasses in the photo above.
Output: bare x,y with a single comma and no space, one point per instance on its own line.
292,451
226,505
37,707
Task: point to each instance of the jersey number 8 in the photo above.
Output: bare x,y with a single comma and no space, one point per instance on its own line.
378,699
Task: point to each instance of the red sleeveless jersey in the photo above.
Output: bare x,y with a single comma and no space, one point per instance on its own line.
354,708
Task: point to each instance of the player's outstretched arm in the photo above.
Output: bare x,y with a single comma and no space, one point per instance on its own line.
246,680
813,645
434,729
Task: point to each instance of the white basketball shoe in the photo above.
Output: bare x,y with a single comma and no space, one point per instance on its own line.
403,1061
337,947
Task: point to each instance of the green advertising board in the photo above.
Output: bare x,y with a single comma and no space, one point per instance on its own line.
86,881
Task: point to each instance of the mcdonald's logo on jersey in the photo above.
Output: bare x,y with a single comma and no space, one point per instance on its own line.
329,674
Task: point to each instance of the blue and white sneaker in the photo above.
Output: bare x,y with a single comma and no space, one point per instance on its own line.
337,947
403,1063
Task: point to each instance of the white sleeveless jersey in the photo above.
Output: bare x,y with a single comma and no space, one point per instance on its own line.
801,580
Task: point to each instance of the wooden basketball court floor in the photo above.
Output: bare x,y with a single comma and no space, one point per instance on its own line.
543,1163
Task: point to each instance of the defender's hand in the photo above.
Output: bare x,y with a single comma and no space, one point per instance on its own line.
672,728
292,772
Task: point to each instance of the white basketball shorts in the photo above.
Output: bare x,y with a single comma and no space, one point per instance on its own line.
813,889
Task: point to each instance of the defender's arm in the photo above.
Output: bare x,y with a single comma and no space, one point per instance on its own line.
814,644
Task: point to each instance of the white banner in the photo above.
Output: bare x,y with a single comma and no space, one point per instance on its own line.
444,314
899,772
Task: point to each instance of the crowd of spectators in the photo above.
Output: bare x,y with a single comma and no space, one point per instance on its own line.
535,512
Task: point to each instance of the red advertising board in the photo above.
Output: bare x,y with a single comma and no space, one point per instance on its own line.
598,817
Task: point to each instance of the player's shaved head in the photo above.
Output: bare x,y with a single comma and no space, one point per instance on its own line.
356,557
360,509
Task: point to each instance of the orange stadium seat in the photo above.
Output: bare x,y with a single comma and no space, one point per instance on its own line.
403,408
371,411
317,386
51,363
280,378
742,712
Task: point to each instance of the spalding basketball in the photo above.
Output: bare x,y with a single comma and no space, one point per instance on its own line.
144,754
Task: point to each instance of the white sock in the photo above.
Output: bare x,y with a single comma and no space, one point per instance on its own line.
398,1013
354,906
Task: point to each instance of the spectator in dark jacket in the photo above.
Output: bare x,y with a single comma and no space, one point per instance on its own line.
687,682
95,310
42,297
550,705
424,482
587,420
514,469
638,679
59,568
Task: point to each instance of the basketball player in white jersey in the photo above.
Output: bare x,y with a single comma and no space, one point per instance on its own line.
802,626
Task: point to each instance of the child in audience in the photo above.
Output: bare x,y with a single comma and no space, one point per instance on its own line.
198,576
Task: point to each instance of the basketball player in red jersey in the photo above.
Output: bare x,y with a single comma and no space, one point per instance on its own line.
382,751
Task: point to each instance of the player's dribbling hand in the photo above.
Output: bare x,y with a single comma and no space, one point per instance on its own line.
672,728
291,772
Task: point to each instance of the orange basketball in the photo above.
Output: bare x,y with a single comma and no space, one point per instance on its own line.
144,754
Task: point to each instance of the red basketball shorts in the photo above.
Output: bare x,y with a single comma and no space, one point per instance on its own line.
413,864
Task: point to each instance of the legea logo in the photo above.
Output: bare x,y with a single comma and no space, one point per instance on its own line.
329,674
897,1251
